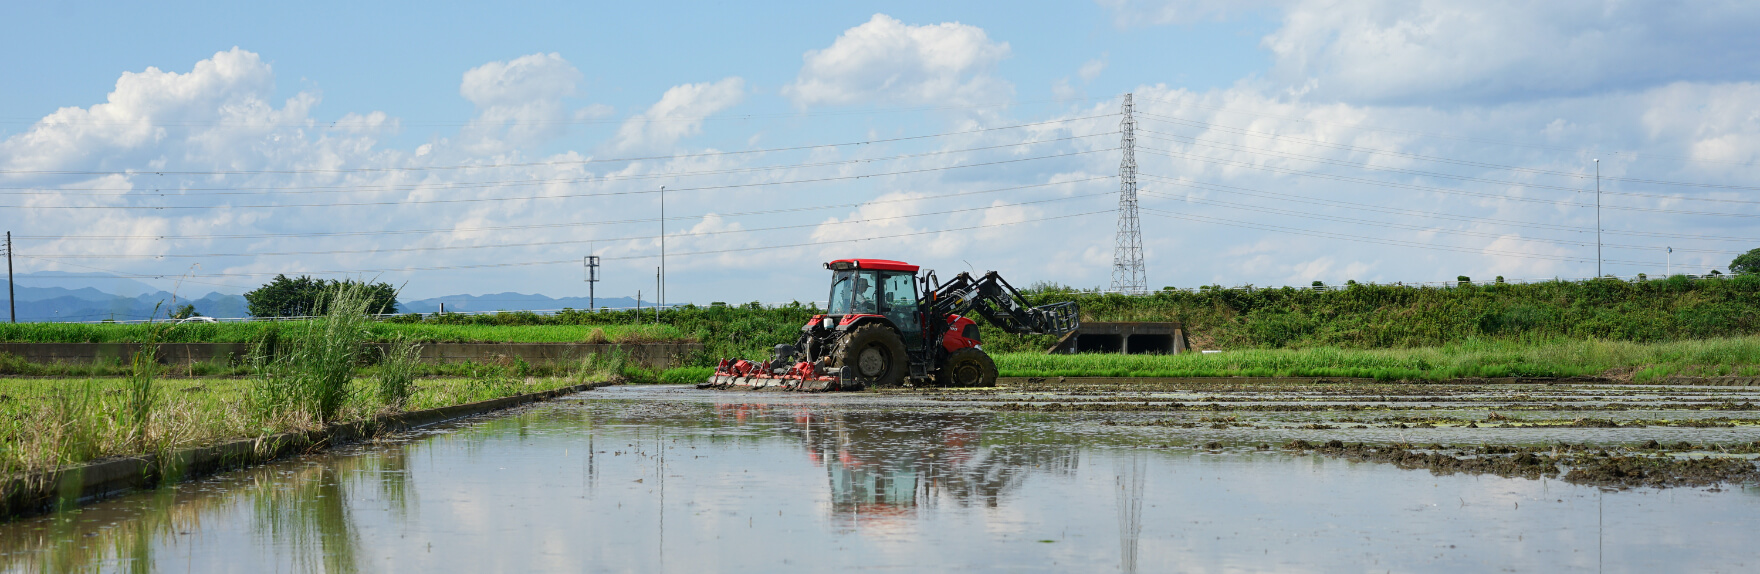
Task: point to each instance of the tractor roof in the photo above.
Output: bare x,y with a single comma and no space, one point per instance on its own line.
881,264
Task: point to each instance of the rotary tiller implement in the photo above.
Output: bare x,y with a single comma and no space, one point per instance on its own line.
800,376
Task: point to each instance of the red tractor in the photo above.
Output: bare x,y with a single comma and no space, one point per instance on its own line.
886,326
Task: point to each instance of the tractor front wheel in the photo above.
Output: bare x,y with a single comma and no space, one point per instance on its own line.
874,354
967,368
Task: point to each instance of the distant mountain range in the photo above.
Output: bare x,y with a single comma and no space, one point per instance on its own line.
59,296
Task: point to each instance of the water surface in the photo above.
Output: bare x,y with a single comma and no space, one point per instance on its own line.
654,479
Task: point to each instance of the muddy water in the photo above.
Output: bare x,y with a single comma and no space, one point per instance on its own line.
655,479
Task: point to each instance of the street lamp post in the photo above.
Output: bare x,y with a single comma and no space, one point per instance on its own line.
660,293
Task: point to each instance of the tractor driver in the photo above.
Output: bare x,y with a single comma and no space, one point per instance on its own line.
864,294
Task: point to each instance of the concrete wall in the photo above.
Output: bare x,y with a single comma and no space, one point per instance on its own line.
647,354
1133,338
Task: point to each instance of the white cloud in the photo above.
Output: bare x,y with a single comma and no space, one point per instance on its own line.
519,102
1429,52
1433,51
1137,13
1279,154
885,60
1062,89
1092,69
222,101
679,114
1335,188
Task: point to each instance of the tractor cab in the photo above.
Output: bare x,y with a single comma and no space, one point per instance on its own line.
877,287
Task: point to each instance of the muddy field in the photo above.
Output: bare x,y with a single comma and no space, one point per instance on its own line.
1124,476
1613,435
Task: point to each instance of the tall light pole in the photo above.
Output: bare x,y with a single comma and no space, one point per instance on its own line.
11,300
1670,263
1598,219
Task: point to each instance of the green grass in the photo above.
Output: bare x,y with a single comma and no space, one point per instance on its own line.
686,375
51,422
247,332
1647,361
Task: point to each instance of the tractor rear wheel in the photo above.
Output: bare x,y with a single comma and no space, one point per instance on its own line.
874,354
967,368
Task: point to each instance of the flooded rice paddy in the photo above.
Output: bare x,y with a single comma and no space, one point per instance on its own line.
1149,477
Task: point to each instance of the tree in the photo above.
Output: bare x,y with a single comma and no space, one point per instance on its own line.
1746,263
185,311
305,296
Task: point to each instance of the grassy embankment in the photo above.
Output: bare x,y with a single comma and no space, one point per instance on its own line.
313,379
1650,329
1379,330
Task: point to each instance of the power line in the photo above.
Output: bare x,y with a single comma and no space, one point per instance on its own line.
1437,135
352,188
1347,147
636,257
1335,177
535,164
1407,226
312,123
118,274
1287,155
561,242
1410,212
1395,242
554,225
567,195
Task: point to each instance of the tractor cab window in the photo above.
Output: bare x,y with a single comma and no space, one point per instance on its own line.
853,292
899,303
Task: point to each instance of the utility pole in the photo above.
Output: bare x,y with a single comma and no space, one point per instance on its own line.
1670,272
660,294
592,264
1127,258
11,296
657,303
1598,219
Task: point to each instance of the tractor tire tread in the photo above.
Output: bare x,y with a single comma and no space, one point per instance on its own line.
986,368
843,353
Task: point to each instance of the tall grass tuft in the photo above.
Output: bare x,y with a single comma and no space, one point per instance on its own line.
397,372
141,395
311,367
601,367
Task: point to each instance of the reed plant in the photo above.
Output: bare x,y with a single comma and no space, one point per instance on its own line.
397,372
605,366
142,394
309,371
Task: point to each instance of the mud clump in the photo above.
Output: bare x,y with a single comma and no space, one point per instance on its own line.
1525,463
1594,468
1661,472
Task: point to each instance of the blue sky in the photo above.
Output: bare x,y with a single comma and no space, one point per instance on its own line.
1281,142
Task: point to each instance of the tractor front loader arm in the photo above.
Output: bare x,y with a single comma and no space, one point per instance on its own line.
1002,305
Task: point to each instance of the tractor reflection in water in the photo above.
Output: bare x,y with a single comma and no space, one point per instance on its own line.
885,466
